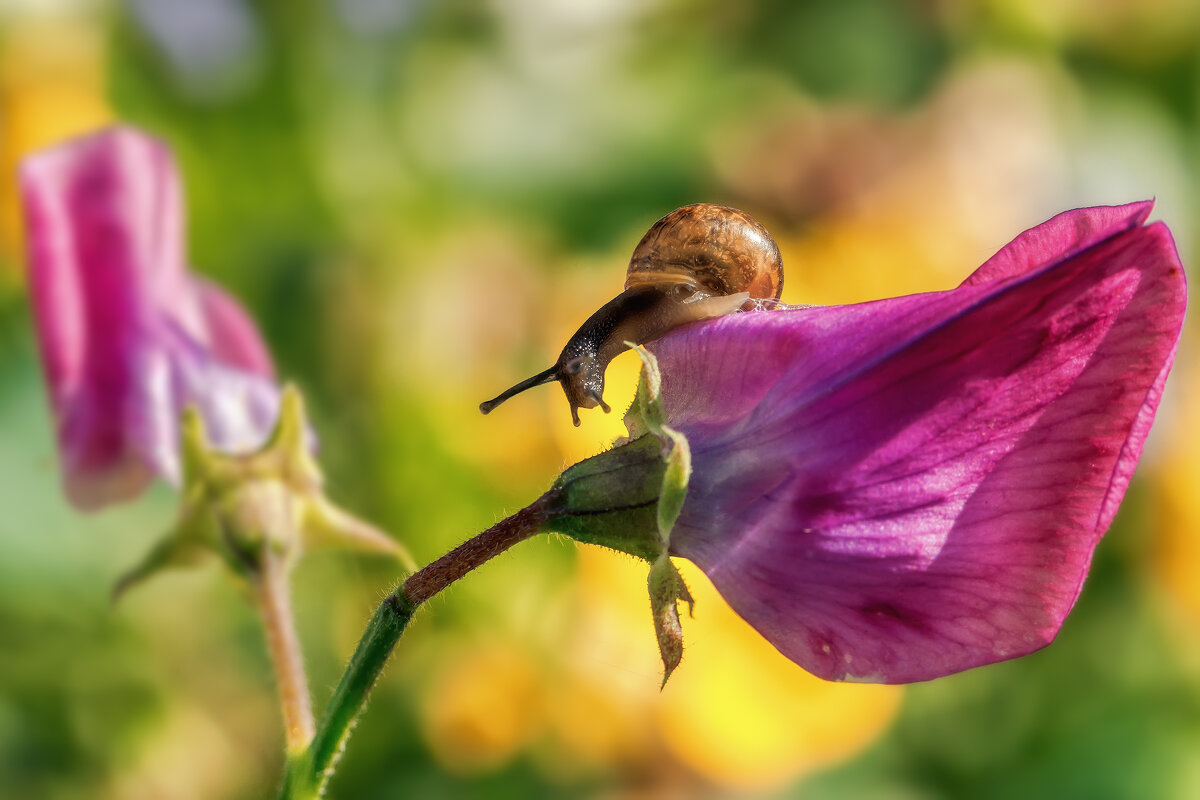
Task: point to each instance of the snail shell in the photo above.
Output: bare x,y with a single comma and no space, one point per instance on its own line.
698,262
717,249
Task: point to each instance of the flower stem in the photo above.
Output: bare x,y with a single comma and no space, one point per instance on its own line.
273,597
306,777
433,578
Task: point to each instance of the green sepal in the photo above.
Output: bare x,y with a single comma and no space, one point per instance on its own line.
667,590
242,507
611,499
674,485
184,545
629,499
649,413
327,525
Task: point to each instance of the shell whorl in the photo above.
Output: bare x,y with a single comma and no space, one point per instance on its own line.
718,249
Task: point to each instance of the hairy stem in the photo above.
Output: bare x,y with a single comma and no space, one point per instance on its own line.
306,777
273,598
433,578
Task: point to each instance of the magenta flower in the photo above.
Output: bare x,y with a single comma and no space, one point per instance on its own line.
128,337
898,490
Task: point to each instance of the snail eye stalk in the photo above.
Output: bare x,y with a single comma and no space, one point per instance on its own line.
545,376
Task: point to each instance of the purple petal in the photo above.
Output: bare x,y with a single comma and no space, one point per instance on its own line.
907,488
239,408
229,332
1063,236
112,303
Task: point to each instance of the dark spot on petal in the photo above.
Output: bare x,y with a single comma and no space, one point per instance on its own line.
890,612
814,506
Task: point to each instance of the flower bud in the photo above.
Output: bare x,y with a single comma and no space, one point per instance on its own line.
246,507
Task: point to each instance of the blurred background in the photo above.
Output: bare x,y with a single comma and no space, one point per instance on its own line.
419,201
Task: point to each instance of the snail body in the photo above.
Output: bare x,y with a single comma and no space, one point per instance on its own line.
698,262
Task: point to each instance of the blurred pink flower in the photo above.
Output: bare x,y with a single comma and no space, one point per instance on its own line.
898,490
127,336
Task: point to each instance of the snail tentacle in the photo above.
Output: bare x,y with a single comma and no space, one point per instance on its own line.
544,376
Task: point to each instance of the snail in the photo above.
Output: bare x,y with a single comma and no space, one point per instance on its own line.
698,262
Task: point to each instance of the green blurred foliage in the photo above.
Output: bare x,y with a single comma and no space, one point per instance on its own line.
409,197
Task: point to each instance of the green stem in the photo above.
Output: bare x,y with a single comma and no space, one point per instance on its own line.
273,598
306,776
350,696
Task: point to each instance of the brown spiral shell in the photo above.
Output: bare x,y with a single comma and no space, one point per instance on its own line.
718,249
